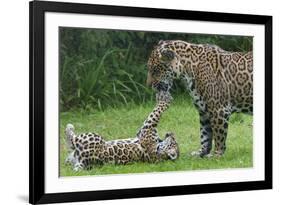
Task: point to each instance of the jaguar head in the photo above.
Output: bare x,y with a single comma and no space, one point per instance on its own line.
161,67
169,148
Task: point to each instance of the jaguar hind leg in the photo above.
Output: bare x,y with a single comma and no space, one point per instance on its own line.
80,162
71,159
220,127
78,166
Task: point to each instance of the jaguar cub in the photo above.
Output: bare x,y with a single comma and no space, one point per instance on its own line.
91,148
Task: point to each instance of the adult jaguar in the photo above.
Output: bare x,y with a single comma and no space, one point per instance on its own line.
220,83
88,149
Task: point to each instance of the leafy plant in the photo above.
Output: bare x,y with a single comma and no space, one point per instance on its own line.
106,68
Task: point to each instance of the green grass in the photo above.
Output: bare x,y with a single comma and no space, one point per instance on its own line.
181,118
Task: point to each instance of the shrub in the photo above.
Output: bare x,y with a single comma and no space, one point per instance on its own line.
106,68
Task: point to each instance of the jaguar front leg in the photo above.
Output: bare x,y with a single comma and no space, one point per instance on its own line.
205,136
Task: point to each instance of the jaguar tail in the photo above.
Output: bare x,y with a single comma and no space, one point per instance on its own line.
70,136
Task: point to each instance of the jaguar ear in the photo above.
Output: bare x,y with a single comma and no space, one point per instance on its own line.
167,55
160,42
170,134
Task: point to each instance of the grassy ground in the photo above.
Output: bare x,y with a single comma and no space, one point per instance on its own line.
181,118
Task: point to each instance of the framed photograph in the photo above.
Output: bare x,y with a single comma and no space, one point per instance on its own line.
130,102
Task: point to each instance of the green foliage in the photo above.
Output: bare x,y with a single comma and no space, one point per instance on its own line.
107,68
181,118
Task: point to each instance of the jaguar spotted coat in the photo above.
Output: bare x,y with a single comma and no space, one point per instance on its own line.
220,83
88,149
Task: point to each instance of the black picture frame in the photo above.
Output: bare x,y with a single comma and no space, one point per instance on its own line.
37,11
